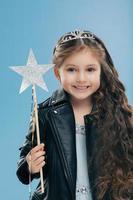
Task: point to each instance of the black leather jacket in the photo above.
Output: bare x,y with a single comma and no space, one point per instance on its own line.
57,131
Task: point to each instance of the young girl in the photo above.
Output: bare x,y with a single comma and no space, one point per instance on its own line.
86,148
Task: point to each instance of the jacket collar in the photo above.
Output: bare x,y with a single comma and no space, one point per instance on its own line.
58,97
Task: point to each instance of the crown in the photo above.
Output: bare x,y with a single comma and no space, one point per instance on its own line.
76,35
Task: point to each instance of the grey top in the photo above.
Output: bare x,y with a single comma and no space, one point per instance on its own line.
82,184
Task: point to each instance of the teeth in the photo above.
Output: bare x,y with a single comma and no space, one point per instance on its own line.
81,87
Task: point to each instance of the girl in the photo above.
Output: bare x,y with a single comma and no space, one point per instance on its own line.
86,128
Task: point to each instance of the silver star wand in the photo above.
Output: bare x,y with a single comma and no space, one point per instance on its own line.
33,75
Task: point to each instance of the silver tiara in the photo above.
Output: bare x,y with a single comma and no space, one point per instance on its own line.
76,35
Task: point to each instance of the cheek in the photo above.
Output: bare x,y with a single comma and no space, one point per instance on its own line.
96,79
63,78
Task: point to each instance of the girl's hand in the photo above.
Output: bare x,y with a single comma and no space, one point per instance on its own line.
35,158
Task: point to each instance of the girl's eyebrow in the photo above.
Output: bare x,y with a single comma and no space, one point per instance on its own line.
72,65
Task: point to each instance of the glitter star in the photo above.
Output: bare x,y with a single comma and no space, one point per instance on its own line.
32,73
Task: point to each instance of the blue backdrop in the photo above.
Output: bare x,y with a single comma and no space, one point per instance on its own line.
26,24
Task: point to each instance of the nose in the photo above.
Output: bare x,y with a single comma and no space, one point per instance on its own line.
81,77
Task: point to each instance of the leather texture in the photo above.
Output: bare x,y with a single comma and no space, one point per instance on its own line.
57,131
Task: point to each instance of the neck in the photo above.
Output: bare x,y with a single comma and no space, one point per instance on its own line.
80,109
82,105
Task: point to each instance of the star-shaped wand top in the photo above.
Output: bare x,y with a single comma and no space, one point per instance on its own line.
32,73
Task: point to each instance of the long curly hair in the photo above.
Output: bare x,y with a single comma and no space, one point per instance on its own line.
113,117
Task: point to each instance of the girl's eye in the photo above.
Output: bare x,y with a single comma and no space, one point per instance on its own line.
71,69
91,69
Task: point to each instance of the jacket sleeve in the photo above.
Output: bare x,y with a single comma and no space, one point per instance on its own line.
23,173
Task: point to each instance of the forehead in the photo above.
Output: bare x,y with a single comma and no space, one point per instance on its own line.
82,57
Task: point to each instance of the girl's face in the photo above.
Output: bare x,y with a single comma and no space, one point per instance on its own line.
79,75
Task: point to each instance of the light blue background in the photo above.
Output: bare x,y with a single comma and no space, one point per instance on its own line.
38,24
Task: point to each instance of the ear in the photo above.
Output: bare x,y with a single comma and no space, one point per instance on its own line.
57,73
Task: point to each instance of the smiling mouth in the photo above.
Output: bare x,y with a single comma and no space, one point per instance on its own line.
81,87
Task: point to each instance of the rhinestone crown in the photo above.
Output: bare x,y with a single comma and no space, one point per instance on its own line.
76,35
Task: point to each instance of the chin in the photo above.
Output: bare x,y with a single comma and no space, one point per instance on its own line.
80,98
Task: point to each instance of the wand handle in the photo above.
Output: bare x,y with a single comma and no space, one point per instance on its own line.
37,131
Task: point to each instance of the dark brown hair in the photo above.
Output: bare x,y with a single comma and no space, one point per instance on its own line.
113,117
